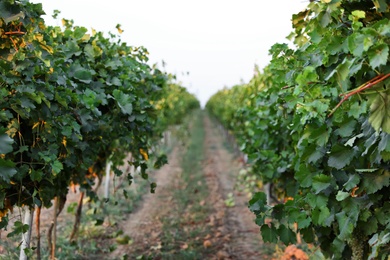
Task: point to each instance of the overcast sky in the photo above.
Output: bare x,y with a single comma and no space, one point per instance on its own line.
208,44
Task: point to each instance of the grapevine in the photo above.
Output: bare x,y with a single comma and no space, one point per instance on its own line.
330,173
71,102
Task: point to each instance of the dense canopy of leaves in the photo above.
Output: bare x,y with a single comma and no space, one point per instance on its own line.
317,127
70,101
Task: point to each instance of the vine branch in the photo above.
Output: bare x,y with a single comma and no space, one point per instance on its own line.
361,88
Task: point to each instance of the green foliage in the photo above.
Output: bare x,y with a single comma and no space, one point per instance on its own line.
174,104
70,102
315,123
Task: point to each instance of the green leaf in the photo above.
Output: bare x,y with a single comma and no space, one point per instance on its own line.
7,170
57,167
373,182
278,212
79,32
384,144
319,215
308,235
312,154
19,228
320,135
269,234
357,14
161,160
347,128
308,75
153,187
382,27
36,175
287,236
356,109
352,182
337,247
345,226
316,201
357,44
5,144
378,55
304,222
341,195
340,156
304,176
343,69
325,18
371,226
83,75
62,100
321,182
380,112
258,203
124,101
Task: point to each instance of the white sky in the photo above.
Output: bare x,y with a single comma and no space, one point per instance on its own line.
208,44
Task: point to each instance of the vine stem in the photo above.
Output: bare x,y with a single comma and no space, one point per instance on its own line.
361,88
77,217
53,245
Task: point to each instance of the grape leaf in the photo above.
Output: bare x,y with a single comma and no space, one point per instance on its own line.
380,112
287,236
378,55
319,215
83,75
124,101
340,157
258,203
269,234
372,182
5,144
7,169
321,182
345,225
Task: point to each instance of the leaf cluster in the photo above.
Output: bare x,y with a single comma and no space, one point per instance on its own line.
70,101
317,127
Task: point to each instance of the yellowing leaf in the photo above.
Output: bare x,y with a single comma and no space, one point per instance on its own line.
119,28
46,48
36,125
144,154
64,141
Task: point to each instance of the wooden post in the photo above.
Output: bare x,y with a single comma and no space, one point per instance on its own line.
107,182
26,237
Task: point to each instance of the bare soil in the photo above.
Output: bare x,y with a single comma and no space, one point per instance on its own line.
233,233
144,225
221,171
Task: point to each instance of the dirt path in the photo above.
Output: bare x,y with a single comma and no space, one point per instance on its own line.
221,170
231,231
144,225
